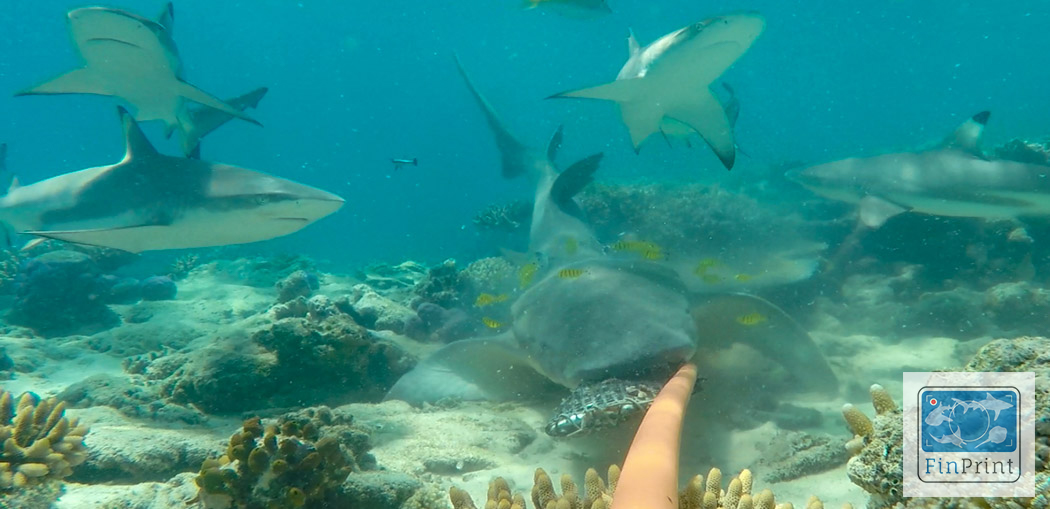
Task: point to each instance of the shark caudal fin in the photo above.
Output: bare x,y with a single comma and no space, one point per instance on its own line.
968,136
517,158
572,181
197,122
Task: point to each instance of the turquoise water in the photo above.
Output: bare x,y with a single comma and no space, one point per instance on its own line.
354,84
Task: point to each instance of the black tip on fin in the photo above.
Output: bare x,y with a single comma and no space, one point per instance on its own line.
982,117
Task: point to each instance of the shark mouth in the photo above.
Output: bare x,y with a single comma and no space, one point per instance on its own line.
118,41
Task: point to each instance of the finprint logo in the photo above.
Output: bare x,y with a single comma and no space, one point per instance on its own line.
962,420
969,434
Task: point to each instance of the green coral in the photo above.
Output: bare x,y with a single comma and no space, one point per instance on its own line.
301,460
40,443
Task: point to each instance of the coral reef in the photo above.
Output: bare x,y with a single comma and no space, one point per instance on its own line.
377,312
182,266
301,460
1032,152
386,279
158,288
298,284
133,399
506,217
597,494
442,286
793,454
58,294
40,444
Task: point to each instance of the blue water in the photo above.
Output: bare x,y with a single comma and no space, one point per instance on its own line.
356,83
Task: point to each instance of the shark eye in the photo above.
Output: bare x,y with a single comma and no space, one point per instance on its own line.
262,199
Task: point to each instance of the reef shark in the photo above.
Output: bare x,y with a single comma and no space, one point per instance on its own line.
199,121
134,59
955,178
991,404
150,201
669,81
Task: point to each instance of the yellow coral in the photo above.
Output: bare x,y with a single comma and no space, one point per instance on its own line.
882,400
858,423
39,443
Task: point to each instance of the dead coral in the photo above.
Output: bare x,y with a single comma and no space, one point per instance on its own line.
40,443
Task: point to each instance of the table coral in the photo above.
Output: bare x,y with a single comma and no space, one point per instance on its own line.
40,443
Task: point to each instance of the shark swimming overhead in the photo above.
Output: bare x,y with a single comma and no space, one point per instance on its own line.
953,179
134,59
150,201
669,81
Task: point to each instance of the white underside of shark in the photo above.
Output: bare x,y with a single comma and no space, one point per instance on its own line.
667,84
134,59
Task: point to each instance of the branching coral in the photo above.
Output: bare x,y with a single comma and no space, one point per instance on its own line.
508,217
699,493
40,443
292,463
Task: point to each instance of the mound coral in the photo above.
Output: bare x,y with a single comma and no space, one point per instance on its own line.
299,461
40,443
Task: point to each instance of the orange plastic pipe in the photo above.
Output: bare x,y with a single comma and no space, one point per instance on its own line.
649,479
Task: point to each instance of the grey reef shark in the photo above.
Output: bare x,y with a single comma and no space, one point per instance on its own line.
955,178
589,317
135,59
666,85
150,201
199,121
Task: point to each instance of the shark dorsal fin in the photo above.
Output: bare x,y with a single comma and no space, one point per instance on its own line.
138,146
633,48
967,137
14,184
555,144
166,18
574,179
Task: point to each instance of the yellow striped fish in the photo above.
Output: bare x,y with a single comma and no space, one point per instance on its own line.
570,273
751,319
487,299
492,323
634,246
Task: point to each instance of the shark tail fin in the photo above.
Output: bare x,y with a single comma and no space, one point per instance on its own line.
968,136
249,100
138,146
199,96
573,180
515,155
77,81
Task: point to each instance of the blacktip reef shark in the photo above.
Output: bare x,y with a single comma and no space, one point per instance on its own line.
134,59
610,318
671,79
199,121
953,179
150,201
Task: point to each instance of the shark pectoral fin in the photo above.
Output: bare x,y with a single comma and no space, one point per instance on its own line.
706,116
199,96
778,336
875,211
77,81
621,91
479,369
